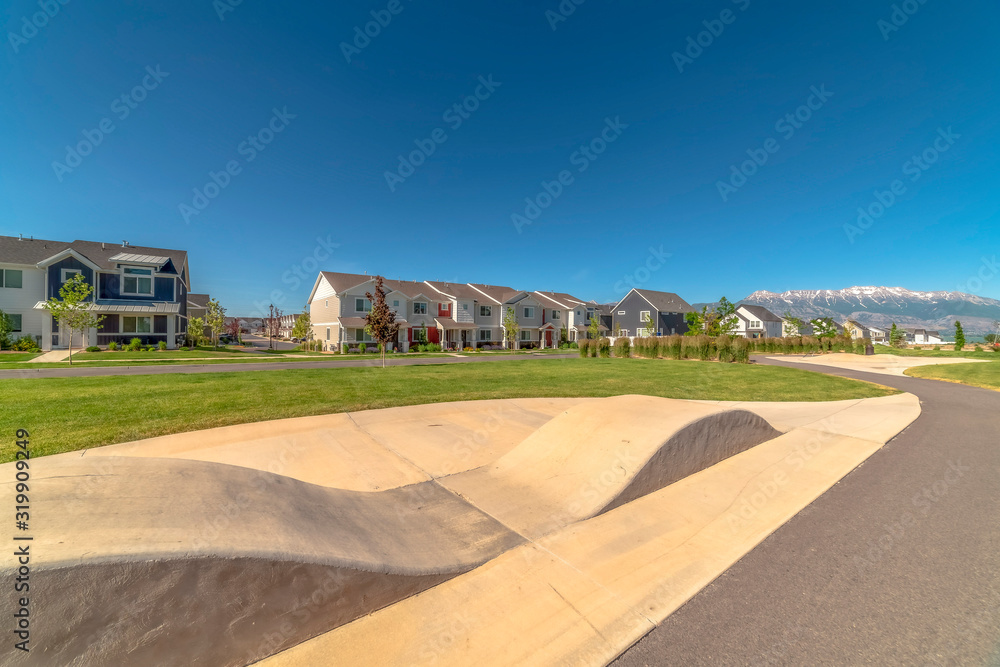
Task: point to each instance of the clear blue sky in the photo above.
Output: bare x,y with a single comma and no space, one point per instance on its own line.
656,185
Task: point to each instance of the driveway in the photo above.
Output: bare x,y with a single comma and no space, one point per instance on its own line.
897,564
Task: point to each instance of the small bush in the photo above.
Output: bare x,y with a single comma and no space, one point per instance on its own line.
574,345
724,345
468,349
25,344
162,345
704,347
362,348
584,348
93,348
671,346
183,349
604,347
622,347
112,346
979,348
135,344
741,350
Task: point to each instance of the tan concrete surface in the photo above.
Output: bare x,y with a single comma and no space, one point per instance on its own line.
577,464
648,556
886,364
52,356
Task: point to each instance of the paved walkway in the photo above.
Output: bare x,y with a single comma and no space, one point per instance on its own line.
898,564
53,356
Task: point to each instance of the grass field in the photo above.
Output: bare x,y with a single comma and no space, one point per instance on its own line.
945,351
65,414
9,357
977,375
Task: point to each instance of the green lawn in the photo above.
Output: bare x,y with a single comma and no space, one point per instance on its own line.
65,414
945,351
977,375
13,357
200,353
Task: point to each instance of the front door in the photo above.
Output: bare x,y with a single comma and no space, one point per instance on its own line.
64,338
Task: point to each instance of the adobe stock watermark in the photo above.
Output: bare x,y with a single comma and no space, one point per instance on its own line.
300,273
899,17
565,9
988,270
121,107
786,126
223,7
581,158
696,44
249,148
453,116
641,275
381,18
31,25
914,168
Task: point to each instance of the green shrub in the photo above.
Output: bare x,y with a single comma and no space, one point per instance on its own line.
724,345
182,349
671,346
93,348
112,346
135,344
704,347
584,345
979,348
162,345
363,348
574,345
741,350
604,347
25,344
622,347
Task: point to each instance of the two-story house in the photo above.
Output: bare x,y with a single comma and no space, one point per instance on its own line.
757,322
140,291
646,312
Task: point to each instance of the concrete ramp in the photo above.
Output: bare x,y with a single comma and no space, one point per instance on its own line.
188,563
597,456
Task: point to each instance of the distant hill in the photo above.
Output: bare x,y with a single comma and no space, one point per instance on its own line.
881,306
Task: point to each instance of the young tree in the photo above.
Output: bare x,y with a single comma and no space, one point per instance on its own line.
793,325
725,317
6,326
510,328
73,309
271,325
959,336
380,321
196,330
897,337
695,323
824,327
618,329
215,319
303,328
594,327
234,330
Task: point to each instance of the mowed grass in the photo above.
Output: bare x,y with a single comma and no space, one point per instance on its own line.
8,357
66,414
945,351
977,375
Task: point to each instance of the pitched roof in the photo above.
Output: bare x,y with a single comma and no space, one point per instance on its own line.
344,281
560,299
104,255
198,300
664,301
761,313
458,290
498,293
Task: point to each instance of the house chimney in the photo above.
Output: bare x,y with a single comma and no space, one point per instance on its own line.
124,243
102,245
20,237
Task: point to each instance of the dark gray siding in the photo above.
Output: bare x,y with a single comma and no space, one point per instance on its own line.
633,305
55,274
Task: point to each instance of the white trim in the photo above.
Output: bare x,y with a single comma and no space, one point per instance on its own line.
484,294
68,252
62,274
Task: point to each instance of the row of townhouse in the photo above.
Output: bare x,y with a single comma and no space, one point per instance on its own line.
913,336
454,315
141,292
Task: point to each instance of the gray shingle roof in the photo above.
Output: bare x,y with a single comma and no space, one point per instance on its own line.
665,302
26,251
761,313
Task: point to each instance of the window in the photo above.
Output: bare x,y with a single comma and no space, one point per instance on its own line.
361,336
395,303
11,278
465,306
485,311
621,312
642,332
328,333
66,274
755,324
137,281
529,312
135,325
643,315
525,335
485,335
419,308
326,303
362,305
556,315
15,322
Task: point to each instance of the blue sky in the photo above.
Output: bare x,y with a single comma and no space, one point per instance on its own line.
199,81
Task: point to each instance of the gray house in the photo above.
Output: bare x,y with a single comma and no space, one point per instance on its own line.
649,313
141,292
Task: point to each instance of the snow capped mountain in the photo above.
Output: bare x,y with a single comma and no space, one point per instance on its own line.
881,306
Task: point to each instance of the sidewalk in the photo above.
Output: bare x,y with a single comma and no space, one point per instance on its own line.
54,355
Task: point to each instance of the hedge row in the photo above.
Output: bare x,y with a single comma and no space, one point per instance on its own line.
728,349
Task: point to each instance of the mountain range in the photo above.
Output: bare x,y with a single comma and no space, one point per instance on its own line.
881,306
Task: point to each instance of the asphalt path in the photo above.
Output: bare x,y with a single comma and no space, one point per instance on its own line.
897,564
234,367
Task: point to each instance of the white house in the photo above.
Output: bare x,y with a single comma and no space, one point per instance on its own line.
757,322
